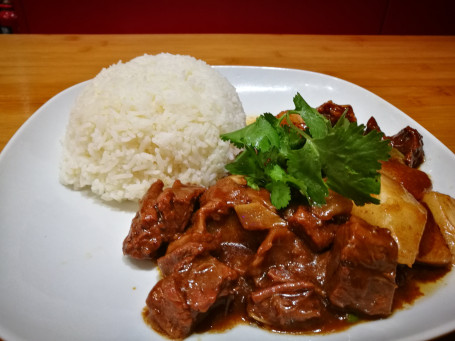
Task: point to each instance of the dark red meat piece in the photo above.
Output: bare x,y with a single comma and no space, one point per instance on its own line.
162,217
362,269
333,112
317,225
285,305
178,301
410,143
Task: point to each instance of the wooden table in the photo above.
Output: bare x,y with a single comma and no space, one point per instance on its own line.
416,74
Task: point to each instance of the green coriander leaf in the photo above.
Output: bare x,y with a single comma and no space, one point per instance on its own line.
280,193
252,182
274,122
290,136
304,164
279,156
316,123
261,135
275,172
279,175
248,164
350,160
270,157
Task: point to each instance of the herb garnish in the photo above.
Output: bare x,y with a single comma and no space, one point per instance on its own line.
281,157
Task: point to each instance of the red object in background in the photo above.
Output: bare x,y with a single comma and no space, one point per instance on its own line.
200,16
8,18
431,17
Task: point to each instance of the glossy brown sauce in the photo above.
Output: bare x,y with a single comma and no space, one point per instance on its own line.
221,320
412,283
416,282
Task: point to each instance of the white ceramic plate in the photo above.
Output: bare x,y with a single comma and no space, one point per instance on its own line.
62,272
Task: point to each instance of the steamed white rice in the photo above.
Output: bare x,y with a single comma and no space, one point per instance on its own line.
154,117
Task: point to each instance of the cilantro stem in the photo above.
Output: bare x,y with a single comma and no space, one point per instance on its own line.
293,127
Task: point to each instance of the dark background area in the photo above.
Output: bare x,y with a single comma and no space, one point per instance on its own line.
409,17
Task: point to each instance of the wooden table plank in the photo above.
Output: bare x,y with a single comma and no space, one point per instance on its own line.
416,74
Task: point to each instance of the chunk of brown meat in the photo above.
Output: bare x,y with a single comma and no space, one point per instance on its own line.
217,230
237,247
285,305
410,143
220,199
289,278
362,270
183,251
318,224
333,112
162,217
407,141
372,124
178,301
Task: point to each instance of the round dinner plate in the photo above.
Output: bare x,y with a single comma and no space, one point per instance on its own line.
62,272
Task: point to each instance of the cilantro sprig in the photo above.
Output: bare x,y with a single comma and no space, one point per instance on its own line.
284,159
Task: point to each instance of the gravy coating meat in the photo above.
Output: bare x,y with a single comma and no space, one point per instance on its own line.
333,112
301,269
162,217
277,277
179,300
407,141
361,275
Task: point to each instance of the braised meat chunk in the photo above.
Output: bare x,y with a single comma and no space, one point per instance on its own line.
410,143
288,279
283,257
318,224
285,305
184,250
236,246
362,270
333,112
162,217
216,228
179,300
221,198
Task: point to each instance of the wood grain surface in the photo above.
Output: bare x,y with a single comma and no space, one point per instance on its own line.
414,73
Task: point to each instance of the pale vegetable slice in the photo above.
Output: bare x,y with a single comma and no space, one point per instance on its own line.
442,207
433,248
399,212
254,216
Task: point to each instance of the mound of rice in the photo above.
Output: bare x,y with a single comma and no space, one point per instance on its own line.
154,117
